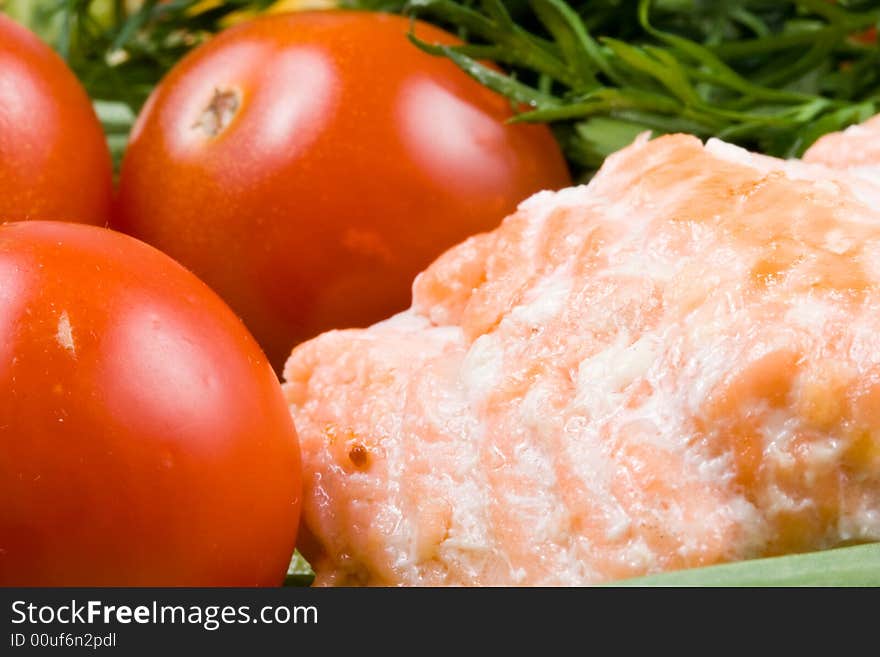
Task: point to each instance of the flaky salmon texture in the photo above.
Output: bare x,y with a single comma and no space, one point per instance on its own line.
675,365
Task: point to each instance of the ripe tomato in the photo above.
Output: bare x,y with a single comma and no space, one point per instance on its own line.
54,160
144,438
309,165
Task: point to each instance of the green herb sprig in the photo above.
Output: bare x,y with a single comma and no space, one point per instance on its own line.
771,76
845,566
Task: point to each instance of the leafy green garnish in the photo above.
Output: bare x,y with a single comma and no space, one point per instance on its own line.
299,572
771,76
117,118
848,566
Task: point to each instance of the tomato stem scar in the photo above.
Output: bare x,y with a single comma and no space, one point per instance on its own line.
219,112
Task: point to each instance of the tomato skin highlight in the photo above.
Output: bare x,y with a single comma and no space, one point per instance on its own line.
54,159
309,165
145,440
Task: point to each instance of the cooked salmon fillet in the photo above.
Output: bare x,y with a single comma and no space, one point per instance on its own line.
673,366
857,146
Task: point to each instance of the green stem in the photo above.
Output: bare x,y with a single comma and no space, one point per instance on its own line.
777,42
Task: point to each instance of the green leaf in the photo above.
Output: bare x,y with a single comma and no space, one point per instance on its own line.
472,21
134,23
498,13
580,51
838,120
713,68
849,566
603,136
665,69
603,101
299,572
503,84
520,48
117,119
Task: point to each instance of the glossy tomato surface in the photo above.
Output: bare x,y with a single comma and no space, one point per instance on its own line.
54,160
309,165
144,439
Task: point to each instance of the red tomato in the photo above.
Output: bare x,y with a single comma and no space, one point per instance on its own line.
144,436
309,165
54,160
